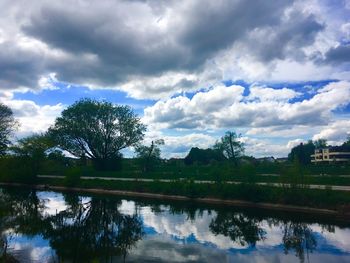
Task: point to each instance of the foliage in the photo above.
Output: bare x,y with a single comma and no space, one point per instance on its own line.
97,130
18,169
303,152
7,125
72,176
320,143
241,229
96,229
85,231
203,156
347,142
248,172
230,146
148,156
33,148
248,192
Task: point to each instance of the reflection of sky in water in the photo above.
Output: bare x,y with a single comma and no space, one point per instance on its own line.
54,202
174,236
34,249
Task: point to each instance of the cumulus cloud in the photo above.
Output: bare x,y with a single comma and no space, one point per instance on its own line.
269,94
339,54
338,131
180,53
159,49
32,118
227,107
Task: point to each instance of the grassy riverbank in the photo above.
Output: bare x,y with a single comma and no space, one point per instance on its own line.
324,199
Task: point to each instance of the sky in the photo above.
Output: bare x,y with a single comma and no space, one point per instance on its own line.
278,72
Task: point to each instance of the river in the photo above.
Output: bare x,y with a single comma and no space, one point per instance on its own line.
42,226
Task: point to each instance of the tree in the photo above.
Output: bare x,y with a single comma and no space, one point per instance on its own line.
302,152
97,130
29,154
149,155
230,146
33,146
347,142
320,143
203,156
7,126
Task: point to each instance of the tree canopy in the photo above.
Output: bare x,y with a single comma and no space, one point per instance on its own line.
320,143
7,126
230,146
33,145
203,156
97,130
148,155
302,152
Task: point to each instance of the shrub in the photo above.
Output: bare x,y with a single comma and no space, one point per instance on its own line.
72,176
17,169
248,172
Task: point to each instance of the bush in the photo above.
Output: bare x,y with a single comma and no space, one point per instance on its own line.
111,164
248,171
72,176
18,169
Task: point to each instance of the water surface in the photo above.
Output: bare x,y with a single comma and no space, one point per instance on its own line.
39,226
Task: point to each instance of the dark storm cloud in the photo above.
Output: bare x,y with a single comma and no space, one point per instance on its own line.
213,26
108,43
18,67
286,39
121,50
340,54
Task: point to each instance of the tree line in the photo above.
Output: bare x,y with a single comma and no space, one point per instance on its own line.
97,131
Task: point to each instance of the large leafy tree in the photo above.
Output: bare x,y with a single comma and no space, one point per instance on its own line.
7,126
97,130
230,146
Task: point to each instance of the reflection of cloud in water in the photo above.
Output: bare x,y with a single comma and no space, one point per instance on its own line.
127,207
54,202
339,239
35,249
273,235
182,240
162,248
180,227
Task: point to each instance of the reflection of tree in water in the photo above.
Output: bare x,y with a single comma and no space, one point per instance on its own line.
19,213
298,237
84,232
238,227
94,230
246,229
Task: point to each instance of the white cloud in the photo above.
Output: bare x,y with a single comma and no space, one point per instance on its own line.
154,53
225,107
33,118
270,94
338,131
160,87
180,227
265,147
294,143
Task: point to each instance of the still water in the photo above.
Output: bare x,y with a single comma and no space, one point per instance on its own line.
39,226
